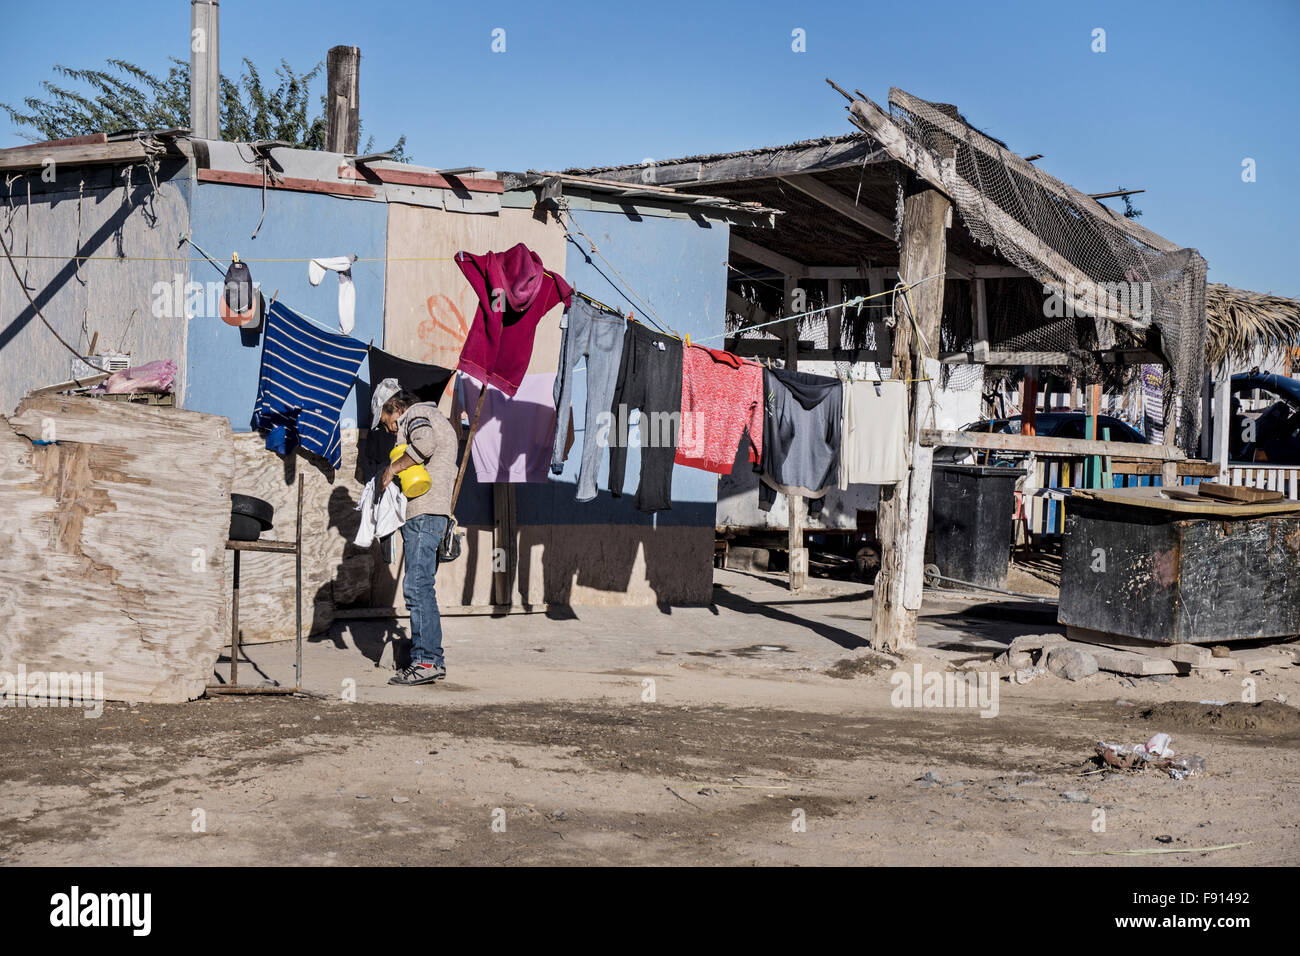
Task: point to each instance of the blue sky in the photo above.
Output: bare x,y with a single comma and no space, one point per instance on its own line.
1184,92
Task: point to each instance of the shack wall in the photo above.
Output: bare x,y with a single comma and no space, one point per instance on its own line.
90,211
225,362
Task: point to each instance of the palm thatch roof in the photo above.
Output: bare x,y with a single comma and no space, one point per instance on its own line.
1241,323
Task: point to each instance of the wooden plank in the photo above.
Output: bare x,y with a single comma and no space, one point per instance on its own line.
1213,489
90,140
950,438
113,557
24,157
233,178
505,557
394,175
773,260
979,297
757,164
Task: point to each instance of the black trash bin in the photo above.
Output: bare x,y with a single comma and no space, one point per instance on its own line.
972,507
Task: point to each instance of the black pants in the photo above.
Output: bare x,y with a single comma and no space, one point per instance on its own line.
649,378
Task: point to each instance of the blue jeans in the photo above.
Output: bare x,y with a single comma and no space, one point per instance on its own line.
421,536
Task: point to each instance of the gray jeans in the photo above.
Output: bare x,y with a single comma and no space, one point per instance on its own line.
596,335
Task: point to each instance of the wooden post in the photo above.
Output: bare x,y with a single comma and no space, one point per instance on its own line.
795,505
343,99
1092,476
981,347
504,552
904,507
1222,420
1029,402
834,318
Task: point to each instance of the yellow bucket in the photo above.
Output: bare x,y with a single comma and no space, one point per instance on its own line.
415,480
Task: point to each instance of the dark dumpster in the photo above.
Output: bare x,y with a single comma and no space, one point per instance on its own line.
1180,572
972,508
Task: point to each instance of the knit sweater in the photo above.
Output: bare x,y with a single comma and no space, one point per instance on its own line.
431,440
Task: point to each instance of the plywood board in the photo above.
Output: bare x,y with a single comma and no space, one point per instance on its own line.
429,304
113,548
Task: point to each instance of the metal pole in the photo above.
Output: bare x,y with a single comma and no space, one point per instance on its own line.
297,594
205,69
234,626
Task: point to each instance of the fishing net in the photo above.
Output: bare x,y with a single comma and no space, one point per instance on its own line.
1103,281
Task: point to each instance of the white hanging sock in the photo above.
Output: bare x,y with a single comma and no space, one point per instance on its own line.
316,269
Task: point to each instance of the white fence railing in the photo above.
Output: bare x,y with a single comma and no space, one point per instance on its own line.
1283,478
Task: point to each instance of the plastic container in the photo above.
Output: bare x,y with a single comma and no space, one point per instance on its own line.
415,480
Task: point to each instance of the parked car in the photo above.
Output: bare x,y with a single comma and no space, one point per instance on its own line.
1265,419
1050,425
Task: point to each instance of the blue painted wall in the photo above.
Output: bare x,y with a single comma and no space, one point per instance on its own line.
224,362
679,267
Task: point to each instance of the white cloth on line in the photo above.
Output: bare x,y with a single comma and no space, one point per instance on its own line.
381,394
379,520
874,438
316,269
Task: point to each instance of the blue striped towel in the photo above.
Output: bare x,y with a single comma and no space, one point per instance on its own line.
307,373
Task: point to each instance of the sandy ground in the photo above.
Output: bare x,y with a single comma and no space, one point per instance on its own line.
756,731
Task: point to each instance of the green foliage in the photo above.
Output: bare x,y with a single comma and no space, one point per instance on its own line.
1130,211
125,96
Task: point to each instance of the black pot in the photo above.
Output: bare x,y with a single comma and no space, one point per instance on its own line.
249,517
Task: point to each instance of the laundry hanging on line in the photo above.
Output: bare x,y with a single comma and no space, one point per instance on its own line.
316,269
593,334
802,428
649,379
722,403
874,435
425,381
515,433
514,291
307,373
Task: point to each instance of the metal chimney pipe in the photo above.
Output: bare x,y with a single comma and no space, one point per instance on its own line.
205,69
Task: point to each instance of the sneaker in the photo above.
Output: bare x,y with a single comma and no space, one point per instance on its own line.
418,674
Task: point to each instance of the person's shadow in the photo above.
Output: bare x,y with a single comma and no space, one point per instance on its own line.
350,588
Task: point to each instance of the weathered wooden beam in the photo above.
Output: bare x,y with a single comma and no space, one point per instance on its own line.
903,510
342,99
796,506
762,164
996,441
834,199
766,257
1050,359
1052,184
875,121
236,178
24,157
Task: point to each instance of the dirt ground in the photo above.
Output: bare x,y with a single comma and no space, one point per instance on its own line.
756,731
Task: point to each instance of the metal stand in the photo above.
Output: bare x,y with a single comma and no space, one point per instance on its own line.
277,547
